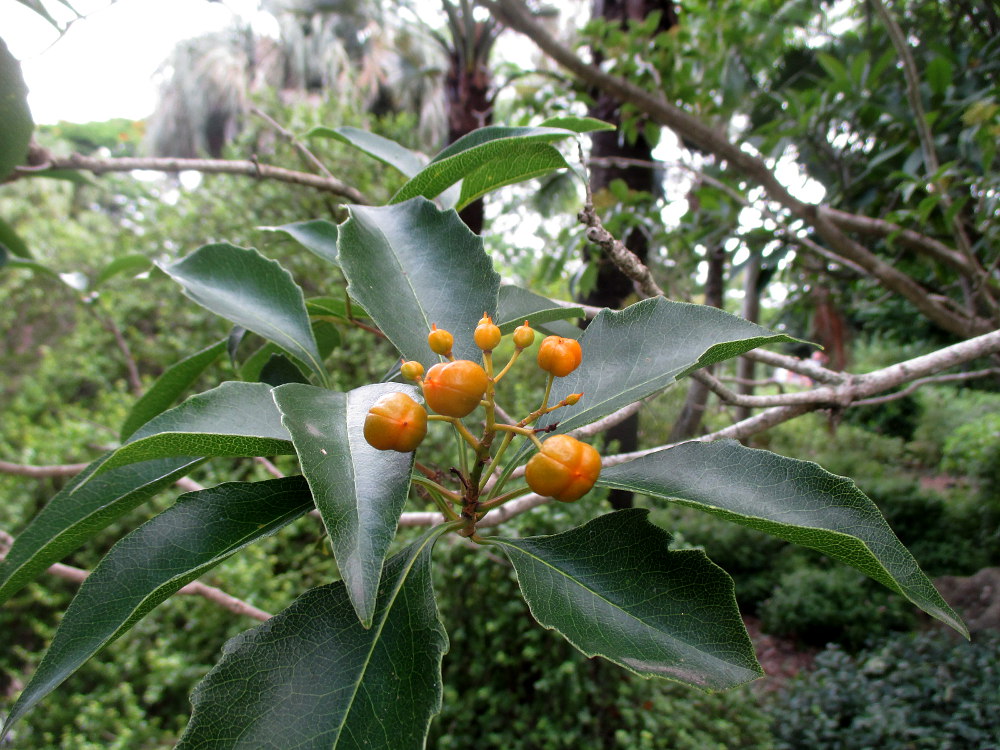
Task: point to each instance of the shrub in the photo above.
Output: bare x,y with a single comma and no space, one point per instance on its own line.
924,691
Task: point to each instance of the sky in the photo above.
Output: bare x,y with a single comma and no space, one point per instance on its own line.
104,66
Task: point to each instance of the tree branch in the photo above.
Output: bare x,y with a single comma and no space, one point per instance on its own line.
41,472
195,588
208,166
514,14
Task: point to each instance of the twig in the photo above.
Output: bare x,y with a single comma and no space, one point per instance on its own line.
195,588
299,145
626,261
41,472
273,470
208,166
949,378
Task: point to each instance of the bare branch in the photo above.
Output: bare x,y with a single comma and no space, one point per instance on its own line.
208,166
933,380
195,588
41,472
273,470
299,145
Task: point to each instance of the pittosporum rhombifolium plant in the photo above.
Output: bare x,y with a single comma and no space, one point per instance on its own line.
357,662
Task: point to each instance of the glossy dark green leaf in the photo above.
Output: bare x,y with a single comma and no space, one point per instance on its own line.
13,243
517,305
82,508
533,160
153,562
312,678
635,352
385,150
233,419
335,307
577,124
794,500
246,288
318,236
360,491
280,370
15,117
508,149
613,588
327,339
411,265
126,264
169,387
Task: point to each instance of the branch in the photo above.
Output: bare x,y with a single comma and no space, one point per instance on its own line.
626,261
514,14
195,588
299,145
41,472
207,166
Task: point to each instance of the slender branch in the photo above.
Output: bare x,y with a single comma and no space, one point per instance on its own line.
807,367
41,472
195,588
208,166
932,380
515,15
299,145
273,470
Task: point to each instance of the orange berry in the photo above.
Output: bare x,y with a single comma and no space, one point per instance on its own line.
559,356
395,422
564,469
455,388
524,336
440,341
487,334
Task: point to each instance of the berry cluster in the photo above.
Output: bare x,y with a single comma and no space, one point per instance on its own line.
563,468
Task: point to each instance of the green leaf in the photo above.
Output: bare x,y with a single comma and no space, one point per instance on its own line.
154,562
234,419
793,500
360,491
506,147
411,265
13,243
578,124
169,386
126,264
327,338
318,236
635,352
517,305
834,68
335,307
385,150
313,678
82,508
533,160
940,73
15,117
613,588
246,288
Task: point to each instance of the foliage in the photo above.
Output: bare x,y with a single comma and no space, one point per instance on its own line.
371,622
910,691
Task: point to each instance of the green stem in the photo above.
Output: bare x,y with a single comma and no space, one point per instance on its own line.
435,487
496,502
496,459
513,358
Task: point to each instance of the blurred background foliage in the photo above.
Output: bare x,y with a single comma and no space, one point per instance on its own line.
806,81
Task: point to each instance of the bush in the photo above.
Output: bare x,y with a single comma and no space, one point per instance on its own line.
833,605
925,691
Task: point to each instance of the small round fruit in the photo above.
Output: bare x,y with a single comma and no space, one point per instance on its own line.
559,356
395,422
564,469
455,388
412,370
524,336
487,334
440,341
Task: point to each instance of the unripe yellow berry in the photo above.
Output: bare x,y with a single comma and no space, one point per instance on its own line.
455,388
487,334
440,341
524,336
412,370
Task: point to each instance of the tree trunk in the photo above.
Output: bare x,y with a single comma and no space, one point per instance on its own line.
612,287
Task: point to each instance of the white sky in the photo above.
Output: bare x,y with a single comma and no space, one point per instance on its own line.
103,66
